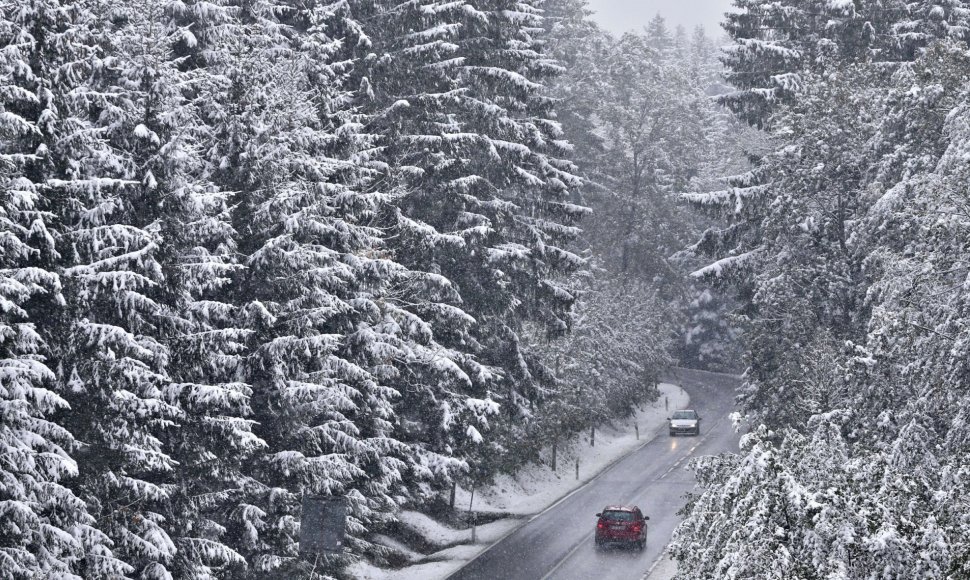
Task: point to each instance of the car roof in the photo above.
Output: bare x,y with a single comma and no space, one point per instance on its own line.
620,508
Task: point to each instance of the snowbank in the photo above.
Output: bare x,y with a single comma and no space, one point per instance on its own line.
443,562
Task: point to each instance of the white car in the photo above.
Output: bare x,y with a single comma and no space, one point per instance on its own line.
686,421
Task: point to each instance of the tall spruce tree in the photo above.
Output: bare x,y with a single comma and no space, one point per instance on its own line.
318,293
161,126
61,175
47,529
478,204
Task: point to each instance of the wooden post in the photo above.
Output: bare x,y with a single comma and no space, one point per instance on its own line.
666,403
577,469
636,427
555,449
473,519
451,500
592,435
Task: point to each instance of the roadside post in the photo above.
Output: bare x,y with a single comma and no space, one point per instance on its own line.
474,520
577,469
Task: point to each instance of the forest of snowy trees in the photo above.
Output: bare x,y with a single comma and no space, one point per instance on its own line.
252,250
847,245
369,249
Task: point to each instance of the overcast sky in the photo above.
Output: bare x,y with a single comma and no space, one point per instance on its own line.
621,15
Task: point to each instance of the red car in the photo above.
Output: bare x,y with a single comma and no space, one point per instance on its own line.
619,524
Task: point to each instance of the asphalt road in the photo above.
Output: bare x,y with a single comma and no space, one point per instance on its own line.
557,544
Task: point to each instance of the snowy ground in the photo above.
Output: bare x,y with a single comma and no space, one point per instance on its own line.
529,492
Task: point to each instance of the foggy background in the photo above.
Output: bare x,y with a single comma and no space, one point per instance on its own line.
619,16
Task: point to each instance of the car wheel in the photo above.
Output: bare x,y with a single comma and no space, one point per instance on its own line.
642,544
672,433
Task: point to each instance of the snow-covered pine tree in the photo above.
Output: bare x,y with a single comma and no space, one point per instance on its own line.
775,42
408,93
109,343
53,158
160,123
709,338
318,293
580,47
46,528
742,244
917,24
527,193
810,188
477,201
658,36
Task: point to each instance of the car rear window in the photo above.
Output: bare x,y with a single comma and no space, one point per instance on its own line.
617,516
684,415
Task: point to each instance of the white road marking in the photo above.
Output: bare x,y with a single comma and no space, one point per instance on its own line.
566,557
682,458
655,563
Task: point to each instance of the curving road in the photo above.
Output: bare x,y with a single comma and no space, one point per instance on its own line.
557,544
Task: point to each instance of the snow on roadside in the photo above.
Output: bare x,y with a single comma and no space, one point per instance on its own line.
443,562
399,547
532,490
438,534
426,571
664,569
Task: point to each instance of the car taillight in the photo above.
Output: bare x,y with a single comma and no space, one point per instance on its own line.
637,527
600,525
